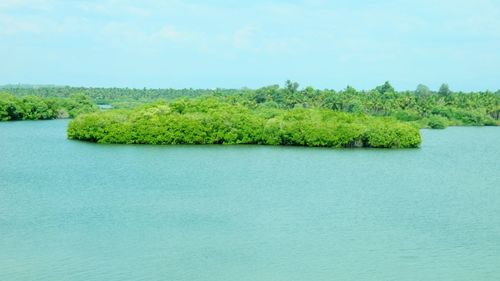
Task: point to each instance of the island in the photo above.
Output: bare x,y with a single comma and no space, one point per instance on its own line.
273,115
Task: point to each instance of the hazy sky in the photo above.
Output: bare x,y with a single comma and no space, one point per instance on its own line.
215,43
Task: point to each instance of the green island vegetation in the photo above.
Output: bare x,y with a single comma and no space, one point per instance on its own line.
210,121
427,108
36,108
289,115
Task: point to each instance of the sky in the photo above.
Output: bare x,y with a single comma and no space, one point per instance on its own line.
234,44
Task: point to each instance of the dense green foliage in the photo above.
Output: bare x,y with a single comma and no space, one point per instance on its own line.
37,108
423,107
122,96
212,121
271,115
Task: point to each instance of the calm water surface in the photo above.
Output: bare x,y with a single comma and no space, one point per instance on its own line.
77,211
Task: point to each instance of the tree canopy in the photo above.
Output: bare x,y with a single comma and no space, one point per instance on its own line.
212,121
423,107
37,108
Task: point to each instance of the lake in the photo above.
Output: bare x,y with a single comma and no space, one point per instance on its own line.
71,210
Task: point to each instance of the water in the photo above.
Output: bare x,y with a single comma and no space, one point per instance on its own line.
78,211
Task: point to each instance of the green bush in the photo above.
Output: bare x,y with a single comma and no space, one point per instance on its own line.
209,121
437,122
37,108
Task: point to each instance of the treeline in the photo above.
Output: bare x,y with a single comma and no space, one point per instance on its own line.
426,108
422,106
37,108
111,95
213,121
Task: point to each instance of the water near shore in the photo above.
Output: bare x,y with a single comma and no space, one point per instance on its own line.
79,211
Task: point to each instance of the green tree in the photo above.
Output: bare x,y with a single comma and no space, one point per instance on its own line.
291,87
385,88
422,90
10,108
444,90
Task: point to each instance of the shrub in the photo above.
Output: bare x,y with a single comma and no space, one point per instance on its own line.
208,121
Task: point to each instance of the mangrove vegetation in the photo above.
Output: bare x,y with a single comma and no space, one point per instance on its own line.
273,115
211,121
36,108
423,106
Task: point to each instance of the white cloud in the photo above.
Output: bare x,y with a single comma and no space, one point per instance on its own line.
93,7
137,11
171,33
33,4
244,37
113,8
12,25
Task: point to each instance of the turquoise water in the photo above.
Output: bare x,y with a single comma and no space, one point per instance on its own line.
78,211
